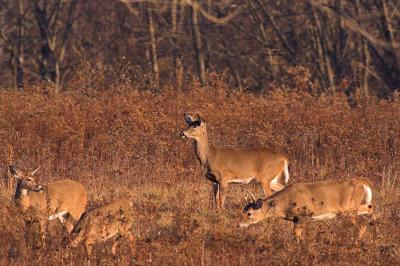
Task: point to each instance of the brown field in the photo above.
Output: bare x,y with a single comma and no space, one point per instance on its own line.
124,141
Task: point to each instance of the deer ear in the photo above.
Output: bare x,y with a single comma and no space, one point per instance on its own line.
34,171
199,118
188,119
13,169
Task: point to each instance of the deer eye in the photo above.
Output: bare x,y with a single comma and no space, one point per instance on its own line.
248,214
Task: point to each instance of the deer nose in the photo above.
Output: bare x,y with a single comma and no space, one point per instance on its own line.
182,134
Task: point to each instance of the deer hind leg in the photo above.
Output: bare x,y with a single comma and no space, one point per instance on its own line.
216,193
275,184
64,221
266,188
222,194
362,229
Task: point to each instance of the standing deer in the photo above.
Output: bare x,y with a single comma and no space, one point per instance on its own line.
300,202
232,165
58,198
111,220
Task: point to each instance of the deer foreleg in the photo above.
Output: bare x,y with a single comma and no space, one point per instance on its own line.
216,194
298,229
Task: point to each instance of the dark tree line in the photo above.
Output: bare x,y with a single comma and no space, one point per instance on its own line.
254,42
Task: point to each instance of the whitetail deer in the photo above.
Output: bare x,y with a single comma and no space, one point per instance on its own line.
112,220
57,199
300,202
233,165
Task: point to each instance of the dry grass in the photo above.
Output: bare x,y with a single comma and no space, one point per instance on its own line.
125,142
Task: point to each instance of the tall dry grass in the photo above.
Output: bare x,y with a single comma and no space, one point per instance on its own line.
124,142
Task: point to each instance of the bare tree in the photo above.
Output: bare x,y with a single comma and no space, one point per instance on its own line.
382,49
391,68
197,12
198,46
253,42
153,47
13,33
54,20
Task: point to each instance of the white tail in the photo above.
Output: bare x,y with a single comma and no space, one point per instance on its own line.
367,194
286,172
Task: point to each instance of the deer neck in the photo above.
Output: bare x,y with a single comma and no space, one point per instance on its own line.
19,190
202,149
21,196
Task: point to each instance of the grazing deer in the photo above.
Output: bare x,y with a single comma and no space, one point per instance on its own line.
112,220
58,198
232,165
319,200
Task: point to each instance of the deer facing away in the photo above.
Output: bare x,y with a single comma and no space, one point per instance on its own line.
112,220
224,166
57,199
300,202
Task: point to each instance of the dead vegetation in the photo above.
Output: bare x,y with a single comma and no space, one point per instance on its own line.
124,142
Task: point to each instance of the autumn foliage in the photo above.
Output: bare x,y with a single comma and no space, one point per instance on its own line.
124,141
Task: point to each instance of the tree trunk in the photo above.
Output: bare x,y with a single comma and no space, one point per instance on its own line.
392,69
176,60
364,56
153,48
19,57
198,46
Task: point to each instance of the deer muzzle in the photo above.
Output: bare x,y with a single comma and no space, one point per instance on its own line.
182,134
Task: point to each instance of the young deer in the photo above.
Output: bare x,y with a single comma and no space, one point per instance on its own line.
233,165
111,220
58,198
299,202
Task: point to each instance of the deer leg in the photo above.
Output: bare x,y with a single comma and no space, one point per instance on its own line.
42,231
361,231
114,247
216,193
65,222
353,219
115,244
298,229
222,194
88,248
265,188
132,239
69,226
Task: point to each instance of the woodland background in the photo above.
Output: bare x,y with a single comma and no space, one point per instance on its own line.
153,43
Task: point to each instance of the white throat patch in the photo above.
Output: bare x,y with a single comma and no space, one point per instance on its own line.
24,192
